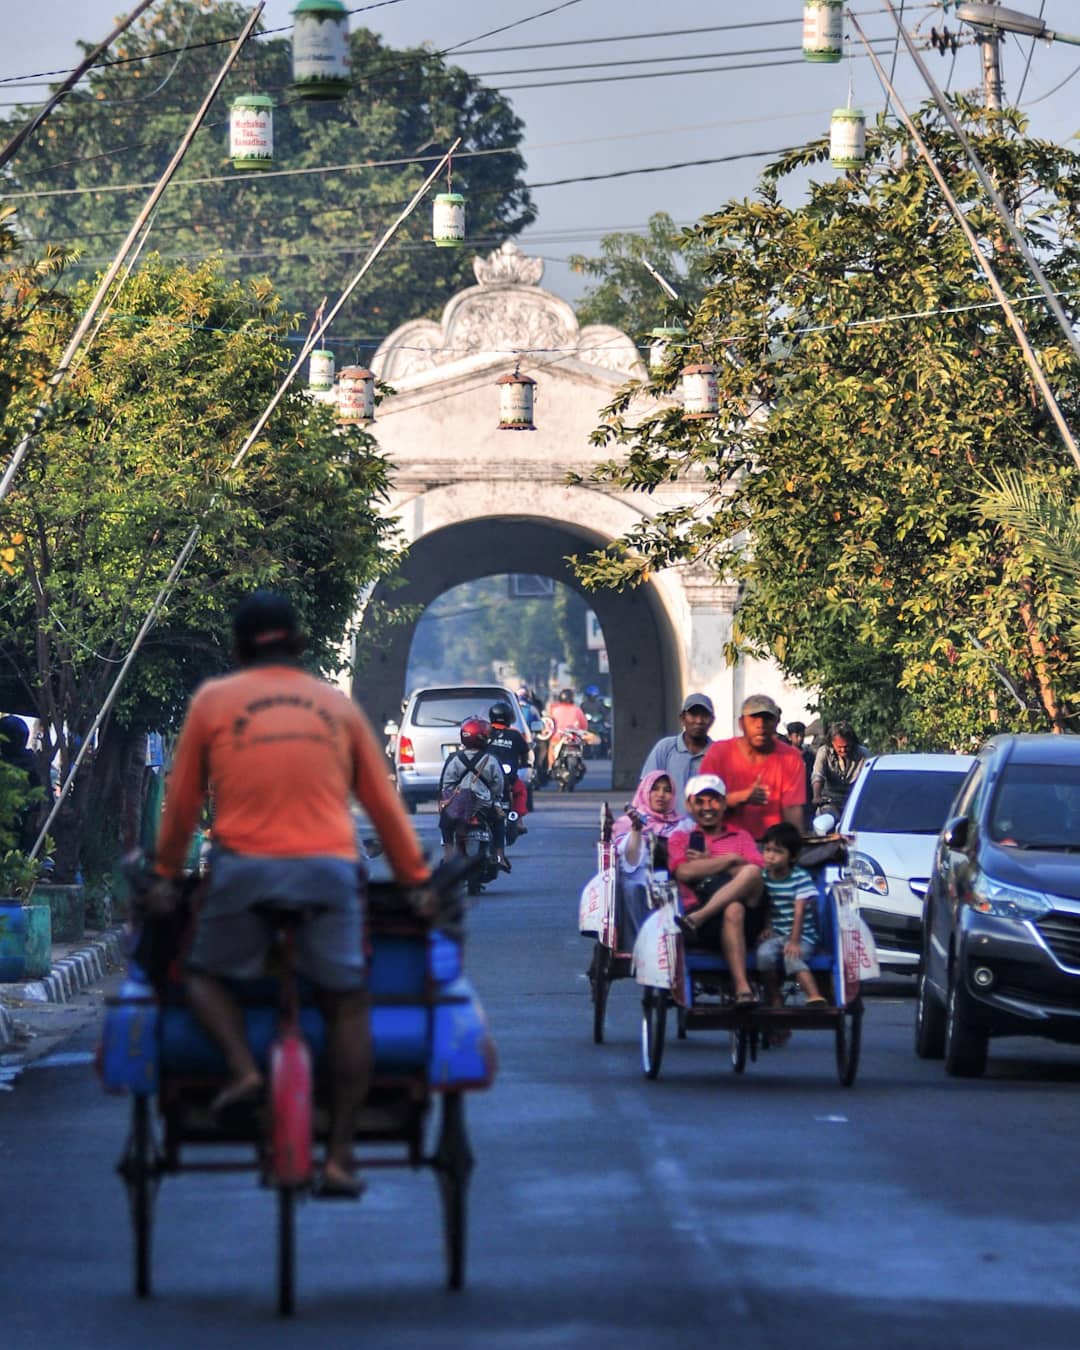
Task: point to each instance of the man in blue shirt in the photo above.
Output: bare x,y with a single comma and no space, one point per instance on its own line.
680,756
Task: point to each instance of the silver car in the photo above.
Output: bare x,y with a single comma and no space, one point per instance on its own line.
428,733
895,812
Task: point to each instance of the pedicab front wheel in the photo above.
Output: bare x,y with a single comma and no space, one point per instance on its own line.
849,1042
601,988
653,1026
740,1047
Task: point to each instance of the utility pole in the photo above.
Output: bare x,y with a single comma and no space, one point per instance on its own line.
989,41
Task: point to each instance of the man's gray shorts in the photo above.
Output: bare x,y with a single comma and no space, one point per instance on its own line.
232,939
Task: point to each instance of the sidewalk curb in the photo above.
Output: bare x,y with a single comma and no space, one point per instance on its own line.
70,974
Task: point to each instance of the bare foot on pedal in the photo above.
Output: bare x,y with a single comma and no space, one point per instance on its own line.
240,1092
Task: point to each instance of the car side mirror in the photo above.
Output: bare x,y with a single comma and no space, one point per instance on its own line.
956,832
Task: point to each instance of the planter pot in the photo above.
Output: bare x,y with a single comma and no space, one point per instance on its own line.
68,906
25,941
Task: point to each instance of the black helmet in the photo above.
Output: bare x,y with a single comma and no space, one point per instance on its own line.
566,696
501,712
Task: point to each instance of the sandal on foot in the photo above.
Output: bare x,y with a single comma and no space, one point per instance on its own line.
685,926
338,1187
818,1002
746,1000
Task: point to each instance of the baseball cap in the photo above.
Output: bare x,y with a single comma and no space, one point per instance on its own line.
705,782
698,701
761,703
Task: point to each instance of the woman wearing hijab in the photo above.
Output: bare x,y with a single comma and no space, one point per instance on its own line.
641,842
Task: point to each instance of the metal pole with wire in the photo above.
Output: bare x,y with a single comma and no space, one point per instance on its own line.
991,276
13,146
60,374
984,178
314,337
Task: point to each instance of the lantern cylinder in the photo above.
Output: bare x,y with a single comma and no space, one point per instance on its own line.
516,402
320,49
448,220
662,340
700,395
356,395
847,138
251,132
823,30
321,370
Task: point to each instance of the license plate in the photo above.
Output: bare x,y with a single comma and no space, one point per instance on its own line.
448,750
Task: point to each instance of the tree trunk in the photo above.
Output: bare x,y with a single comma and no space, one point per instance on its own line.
1040,663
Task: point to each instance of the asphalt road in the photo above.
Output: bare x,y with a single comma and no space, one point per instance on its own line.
773,1210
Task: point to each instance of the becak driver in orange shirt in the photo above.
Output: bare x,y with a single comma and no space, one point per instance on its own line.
284,754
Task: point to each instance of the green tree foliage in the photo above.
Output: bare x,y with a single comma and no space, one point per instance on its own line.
625,294
137,452
868,385
473,628
307,231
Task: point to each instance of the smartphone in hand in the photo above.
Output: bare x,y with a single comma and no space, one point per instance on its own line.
697,841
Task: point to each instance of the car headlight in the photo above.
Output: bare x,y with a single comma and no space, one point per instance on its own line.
866,873
1008,902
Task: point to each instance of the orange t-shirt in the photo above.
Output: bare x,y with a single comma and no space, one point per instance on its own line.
781,772
282,752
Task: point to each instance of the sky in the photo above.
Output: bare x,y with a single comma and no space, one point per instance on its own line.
667,114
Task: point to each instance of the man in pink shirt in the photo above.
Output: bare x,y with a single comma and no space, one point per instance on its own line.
765,777
718,869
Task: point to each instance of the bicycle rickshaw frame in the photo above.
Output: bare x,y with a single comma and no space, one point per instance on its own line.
430,1040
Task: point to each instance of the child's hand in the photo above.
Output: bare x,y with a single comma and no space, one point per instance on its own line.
792,949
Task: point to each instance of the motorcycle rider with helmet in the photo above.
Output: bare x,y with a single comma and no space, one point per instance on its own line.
474,767
513,751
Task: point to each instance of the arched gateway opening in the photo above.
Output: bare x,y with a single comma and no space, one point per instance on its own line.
644,655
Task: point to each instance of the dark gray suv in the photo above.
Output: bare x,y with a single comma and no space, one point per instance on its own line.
1001,927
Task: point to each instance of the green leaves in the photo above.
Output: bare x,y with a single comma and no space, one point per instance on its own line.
872,568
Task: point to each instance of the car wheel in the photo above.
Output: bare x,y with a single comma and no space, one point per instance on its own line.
965,1045
929,1020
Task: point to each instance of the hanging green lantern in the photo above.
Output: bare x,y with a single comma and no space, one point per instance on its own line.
847,138
823,30
251,132
320,49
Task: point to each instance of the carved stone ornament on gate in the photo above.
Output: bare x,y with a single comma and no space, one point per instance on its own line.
505,314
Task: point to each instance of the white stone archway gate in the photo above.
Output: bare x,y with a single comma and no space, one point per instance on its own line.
474,501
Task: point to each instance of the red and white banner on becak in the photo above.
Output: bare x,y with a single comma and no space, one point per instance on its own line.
658,953
858,954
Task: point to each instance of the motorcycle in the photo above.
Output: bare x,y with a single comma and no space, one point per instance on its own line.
475,842
568,768
543,728
598,745
515,796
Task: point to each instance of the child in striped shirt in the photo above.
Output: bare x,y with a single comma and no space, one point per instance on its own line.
792,933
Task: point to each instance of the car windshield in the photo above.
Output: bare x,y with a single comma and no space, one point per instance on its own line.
906,801
451,709
1037,806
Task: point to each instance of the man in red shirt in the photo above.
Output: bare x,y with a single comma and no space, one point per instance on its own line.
765,777
718,869
284,753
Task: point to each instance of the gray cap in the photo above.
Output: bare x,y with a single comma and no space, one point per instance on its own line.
698,701
757,704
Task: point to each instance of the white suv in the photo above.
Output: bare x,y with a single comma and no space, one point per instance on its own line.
894,813
429,733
